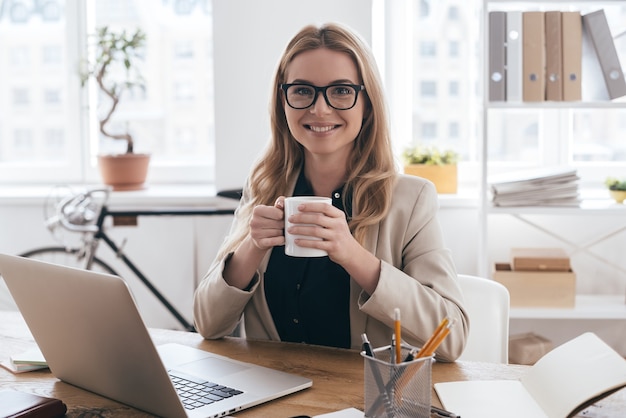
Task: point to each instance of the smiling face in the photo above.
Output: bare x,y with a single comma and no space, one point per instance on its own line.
324,132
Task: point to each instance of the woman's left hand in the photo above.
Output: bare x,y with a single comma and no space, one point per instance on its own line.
329,223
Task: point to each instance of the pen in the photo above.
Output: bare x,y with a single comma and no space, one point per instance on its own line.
398,331
443,413
367,347
411,355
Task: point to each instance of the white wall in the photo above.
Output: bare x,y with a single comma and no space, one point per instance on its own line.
249,38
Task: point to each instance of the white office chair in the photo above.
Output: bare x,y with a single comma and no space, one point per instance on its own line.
487,304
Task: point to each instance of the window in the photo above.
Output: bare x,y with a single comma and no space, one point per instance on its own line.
453,130
176,96
453,88
43,41
429,131
51,55
21,97
443,78
23,141
453,13
428,89
428,49
453,49
183,50
19,57
444,27
52,97
54,140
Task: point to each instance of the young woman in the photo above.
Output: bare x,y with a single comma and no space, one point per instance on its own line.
330,138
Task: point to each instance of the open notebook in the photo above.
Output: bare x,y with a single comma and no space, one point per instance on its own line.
92,336
567,379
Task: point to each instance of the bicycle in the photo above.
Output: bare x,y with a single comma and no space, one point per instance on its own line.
85,213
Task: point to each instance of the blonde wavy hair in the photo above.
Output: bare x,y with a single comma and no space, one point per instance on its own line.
371,170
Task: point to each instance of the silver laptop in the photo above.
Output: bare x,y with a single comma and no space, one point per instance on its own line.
89,330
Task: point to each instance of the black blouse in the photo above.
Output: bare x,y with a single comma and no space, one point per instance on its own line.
309,298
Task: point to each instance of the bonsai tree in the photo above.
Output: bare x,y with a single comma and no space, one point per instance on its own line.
613,183
429,155
114,67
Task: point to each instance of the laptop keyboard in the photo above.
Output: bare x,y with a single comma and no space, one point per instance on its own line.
196,393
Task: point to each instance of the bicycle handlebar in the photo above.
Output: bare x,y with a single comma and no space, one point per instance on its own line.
76,213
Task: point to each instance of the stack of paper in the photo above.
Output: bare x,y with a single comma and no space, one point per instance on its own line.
543,187
25,362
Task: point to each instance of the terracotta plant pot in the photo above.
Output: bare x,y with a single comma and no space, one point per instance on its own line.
443,176
124,171
618,195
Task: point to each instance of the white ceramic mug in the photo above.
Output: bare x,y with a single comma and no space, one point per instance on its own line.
291,207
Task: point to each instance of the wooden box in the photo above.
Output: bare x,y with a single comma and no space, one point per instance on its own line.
537,289
528,348
543,259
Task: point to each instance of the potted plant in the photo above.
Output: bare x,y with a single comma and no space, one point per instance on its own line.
114,67
617,188
429,162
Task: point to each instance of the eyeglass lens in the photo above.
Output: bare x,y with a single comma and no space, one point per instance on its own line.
339,96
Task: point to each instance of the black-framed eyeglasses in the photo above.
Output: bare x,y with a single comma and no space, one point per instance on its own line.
338,96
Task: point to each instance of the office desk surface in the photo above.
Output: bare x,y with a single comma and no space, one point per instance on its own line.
337,375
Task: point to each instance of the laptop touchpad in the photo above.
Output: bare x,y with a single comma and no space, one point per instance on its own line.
211,367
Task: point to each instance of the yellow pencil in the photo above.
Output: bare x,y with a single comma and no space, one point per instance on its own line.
429,342
436,342
398,330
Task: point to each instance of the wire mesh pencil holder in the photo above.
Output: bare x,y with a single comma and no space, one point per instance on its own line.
397,390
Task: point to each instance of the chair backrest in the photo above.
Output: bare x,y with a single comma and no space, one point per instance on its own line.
487,304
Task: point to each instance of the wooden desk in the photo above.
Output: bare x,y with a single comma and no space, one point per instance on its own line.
337,375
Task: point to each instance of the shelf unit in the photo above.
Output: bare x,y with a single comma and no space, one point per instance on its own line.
587,306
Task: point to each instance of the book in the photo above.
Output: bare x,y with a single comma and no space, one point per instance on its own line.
571,24
30,357
26,361
596,28
566,380
554,56
20,368
514,56
533,51
15,403
497,56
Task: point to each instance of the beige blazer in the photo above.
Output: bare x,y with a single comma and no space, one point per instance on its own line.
417,276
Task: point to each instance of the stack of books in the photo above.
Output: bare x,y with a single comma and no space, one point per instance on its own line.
27,361
544,187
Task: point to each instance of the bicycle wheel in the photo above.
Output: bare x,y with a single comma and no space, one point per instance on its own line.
70,257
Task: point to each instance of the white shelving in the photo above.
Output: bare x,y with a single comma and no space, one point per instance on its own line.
587,307
602,307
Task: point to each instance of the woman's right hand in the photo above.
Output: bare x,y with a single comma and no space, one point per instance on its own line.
267,225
